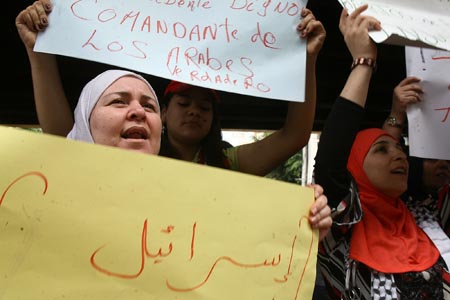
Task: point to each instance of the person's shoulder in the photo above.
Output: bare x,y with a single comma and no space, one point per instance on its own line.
226,145
231,157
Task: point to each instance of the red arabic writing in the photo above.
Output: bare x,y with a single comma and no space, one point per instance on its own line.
145,253
33,173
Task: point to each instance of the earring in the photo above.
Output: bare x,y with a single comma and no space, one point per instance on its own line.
163,129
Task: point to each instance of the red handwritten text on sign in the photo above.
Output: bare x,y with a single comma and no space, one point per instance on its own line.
158,254
197,59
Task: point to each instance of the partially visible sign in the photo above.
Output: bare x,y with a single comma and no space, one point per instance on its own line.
429,120
409,22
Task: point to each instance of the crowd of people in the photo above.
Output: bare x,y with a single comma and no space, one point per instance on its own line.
383,215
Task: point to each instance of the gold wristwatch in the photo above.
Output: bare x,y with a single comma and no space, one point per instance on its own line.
392,121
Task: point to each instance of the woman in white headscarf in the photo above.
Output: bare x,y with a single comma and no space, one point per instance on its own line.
118,108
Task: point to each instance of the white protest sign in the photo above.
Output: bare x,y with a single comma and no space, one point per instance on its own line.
429,120
409,22
241,46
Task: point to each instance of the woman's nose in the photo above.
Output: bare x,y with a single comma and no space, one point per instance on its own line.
193,111
136,112
399,154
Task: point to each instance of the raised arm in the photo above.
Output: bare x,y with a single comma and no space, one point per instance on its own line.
261,157
355,29
52,106
347,113
408,91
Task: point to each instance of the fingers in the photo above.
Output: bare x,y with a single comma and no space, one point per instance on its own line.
357,17
307,17
411,96
358,20
314,31
35,15
370,23
359,10
320,209
323,222
47,4
343,19
363,20
409,80
313,26
355,30
32,20
318,191
408,91
412,88
320,212
42,8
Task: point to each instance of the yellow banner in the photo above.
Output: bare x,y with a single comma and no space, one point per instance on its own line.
82,221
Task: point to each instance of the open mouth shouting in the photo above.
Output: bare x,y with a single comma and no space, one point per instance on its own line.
135,132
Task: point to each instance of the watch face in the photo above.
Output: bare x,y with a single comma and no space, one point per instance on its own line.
392,121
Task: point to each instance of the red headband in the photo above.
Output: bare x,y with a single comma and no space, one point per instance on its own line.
176,87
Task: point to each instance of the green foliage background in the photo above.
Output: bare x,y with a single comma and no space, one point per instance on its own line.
290,170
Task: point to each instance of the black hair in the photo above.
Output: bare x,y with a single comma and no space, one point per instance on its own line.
211,145
416,188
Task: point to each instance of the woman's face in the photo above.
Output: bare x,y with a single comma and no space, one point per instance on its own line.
386,166
189,115
435,173
127,116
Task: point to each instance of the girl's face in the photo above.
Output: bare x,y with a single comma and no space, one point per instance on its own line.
386,166
435,173
189,115
127,116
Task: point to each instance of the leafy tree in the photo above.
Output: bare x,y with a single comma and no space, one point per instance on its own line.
290,170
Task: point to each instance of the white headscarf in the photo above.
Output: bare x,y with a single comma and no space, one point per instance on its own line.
89,97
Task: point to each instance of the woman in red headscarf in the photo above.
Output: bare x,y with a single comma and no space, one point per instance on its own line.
428,195
375,249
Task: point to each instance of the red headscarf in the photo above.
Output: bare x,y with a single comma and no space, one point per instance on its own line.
387,239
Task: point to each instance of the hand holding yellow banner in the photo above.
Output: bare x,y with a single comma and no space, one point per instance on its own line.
82,221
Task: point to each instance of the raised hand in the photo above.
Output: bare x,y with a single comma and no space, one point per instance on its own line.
320,212
31,20
313,30
408,91
355,29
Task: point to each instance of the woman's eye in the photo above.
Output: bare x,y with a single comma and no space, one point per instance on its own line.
381,149
149,107
205,108
118,102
